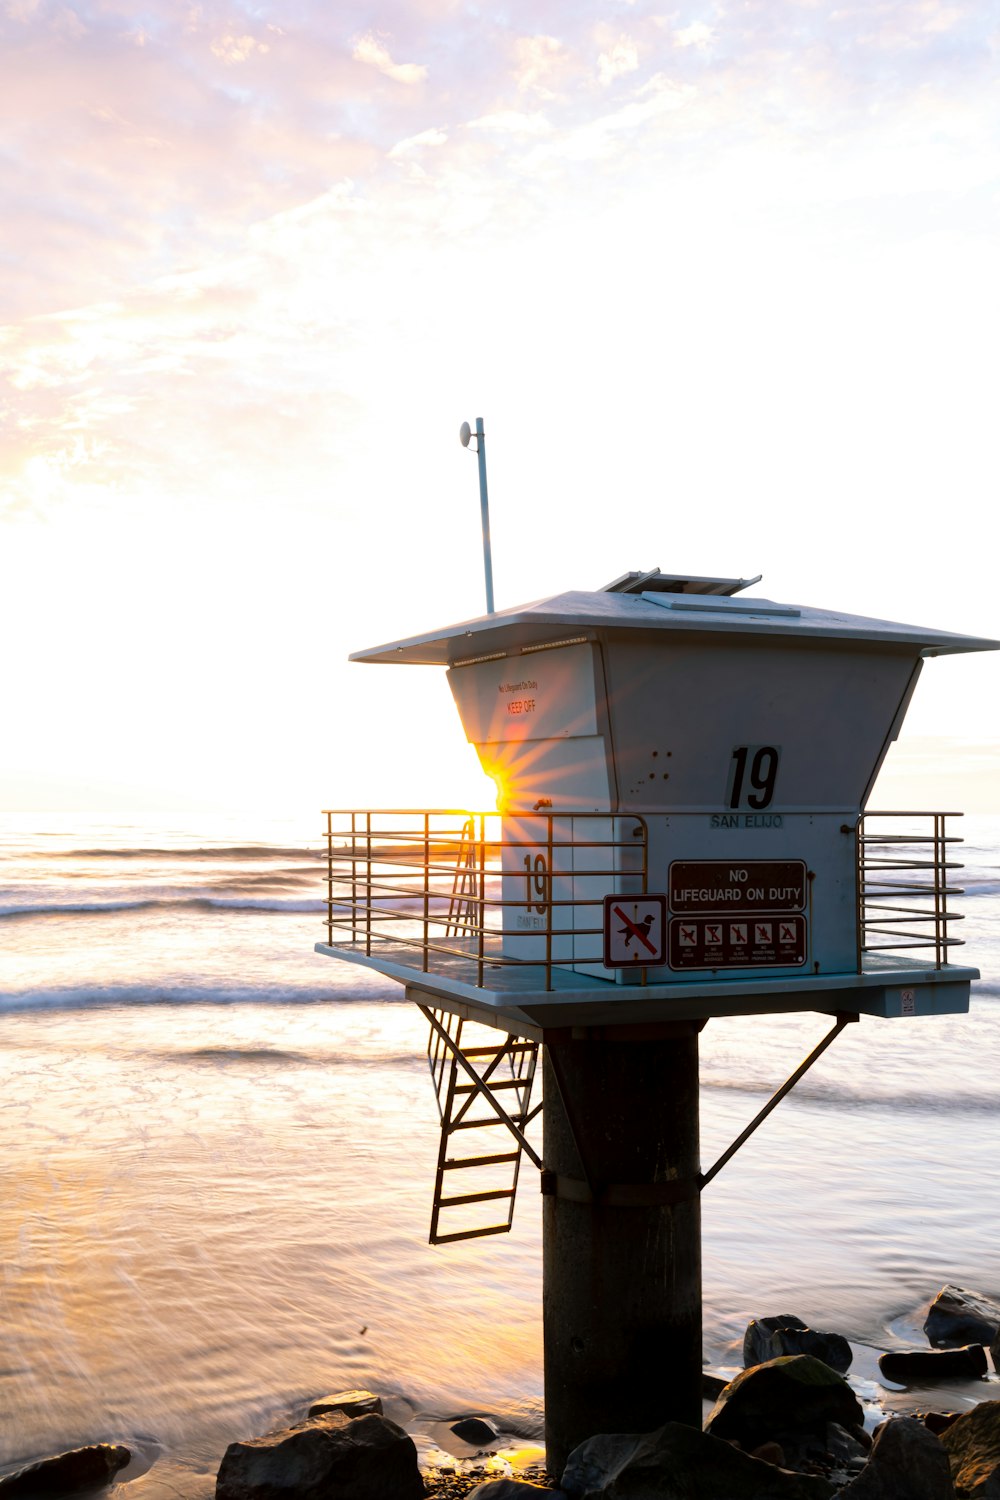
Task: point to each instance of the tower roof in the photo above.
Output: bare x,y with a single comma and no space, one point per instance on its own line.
658,604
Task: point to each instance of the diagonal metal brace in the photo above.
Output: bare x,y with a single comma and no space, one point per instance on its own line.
844,1018
482,1086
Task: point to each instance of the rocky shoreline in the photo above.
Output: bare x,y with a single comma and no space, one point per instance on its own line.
788,1426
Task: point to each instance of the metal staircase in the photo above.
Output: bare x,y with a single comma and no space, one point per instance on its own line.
465,906
497,1075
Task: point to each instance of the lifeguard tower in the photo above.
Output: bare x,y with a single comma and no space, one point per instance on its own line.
683,771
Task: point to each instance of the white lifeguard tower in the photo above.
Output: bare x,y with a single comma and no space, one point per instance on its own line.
683,773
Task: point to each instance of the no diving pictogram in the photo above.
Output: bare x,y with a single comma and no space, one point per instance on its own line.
634,931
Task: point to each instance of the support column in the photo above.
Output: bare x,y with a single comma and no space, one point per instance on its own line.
622,1273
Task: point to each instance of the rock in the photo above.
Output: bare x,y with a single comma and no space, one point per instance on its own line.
957,1316
769,1338
937,1421
351,1403
512,1489
770,1453
824,1444
679,1463
924,1366
474,1430
80,1469
793,1395
844,1446
906,1460
326,1458
972,1443
712,1386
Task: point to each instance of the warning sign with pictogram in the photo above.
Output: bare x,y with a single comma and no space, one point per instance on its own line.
634,931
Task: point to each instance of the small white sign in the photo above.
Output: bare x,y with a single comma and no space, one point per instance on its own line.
907,1002
634,931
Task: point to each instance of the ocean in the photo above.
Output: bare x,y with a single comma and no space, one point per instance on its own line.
218,1152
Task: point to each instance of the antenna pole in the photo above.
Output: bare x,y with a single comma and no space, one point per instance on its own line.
485,507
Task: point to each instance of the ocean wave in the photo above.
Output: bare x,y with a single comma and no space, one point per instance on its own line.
404,905
254,880
187,903
202,852
283,1057
105,996
840,1096
256,903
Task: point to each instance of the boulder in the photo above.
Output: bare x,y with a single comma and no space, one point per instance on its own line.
474,1430
351,1403
819,1446
326,1458
80,1469
972,1443
770,1453
844,1446
958,1316
937,1421
679,1463
512,1489
794,1395
925,1366
769,1338
906,1460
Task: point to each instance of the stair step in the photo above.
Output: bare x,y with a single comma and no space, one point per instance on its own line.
475,1197
454,1164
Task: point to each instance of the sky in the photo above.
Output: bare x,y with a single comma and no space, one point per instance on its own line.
721,278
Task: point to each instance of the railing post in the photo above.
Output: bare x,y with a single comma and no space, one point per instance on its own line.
645,881
940,885
354,877
368,885
548,905
329,879
481,883
859,866
427,883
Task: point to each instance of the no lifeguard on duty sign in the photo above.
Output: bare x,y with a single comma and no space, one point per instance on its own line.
634,931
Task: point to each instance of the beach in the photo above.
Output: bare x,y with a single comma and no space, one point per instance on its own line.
218,1155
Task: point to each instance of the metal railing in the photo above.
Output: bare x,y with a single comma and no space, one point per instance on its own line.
445,889
903,884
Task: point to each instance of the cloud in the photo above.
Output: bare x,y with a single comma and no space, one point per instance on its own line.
607,135
22,10
120,161
698,34
236,49
368,49
513,122
541,64
415,142
622,58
